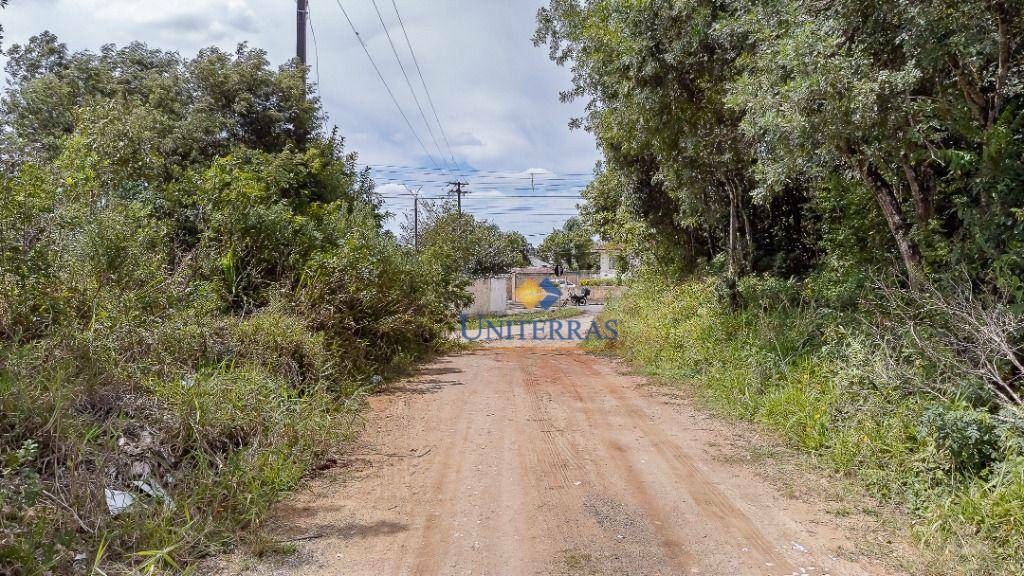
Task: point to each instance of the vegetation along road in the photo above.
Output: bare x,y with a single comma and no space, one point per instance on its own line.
230,276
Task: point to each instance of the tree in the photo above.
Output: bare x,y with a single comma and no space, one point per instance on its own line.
460,241
907,86
206,105
3,5
571,246
657,75
774,136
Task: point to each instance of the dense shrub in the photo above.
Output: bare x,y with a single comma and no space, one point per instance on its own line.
827,383
195,293
617,281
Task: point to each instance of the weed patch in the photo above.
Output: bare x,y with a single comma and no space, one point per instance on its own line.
828,388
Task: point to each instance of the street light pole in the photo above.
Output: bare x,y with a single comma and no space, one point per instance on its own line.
301,16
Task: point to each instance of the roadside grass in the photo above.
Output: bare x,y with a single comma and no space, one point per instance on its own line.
146,424
215,446
811,376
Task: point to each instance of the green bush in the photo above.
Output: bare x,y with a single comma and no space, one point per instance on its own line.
965,438
824,382
617,281
195,295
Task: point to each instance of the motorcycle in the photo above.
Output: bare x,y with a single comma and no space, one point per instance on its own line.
581,298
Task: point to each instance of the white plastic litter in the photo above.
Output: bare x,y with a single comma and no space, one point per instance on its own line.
118,501
154,490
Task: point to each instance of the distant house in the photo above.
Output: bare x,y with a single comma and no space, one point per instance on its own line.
610,254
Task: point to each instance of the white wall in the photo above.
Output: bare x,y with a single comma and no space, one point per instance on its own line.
490,296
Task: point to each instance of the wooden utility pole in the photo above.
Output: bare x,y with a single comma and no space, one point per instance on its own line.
301,16
458,191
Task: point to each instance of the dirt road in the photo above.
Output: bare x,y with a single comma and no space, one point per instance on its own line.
523,460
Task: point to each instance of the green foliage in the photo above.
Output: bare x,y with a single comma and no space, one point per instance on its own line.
965,438
677,184
601,281
460,241
195,295
853,400
199,109
778,137
571,247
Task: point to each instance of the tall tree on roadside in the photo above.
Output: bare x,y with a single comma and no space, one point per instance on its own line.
657,74
746,133
896,94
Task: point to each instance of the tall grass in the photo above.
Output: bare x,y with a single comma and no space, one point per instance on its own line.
198,368
222,442
822,381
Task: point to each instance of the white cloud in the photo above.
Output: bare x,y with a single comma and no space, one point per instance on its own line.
391,189
488,194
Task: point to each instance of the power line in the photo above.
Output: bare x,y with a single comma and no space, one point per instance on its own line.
553,190
401,178
430,100
503,186
386,86
408,83
425,169
500,189
510,197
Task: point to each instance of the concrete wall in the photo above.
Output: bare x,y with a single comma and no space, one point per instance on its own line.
601,294
489,296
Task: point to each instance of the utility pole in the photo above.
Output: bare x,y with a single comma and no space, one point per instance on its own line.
458,191
301,16
415,217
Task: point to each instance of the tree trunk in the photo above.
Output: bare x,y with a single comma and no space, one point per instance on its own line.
732,234
886,198
748,236
734,299
1003,18
923,206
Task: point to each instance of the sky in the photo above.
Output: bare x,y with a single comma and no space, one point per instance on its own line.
496,94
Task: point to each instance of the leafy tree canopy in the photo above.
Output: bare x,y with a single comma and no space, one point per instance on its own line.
789,137
571,246
476,247
197,109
